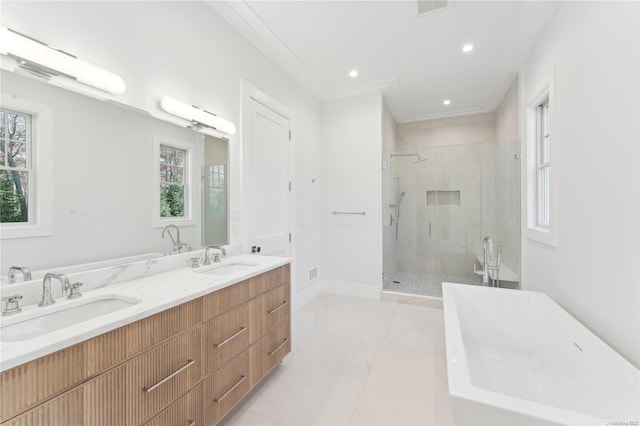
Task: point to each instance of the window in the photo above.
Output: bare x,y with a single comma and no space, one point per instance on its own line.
26,169
542,163
173,175
541,182
16,166
173,181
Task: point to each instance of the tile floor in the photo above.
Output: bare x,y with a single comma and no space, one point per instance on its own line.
356,362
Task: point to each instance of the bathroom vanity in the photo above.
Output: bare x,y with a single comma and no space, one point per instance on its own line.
186,364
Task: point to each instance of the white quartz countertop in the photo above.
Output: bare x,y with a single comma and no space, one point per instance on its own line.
156,293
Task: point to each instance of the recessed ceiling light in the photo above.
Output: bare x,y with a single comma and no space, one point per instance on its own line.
446,102
467,48
353,73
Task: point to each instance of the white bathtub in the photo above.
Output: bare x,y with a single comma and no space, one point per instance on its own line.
517,358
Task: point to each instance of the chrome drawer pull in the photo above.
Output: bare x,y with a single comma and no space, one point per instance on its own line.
224,395
279,346
189,363
236,334
277,308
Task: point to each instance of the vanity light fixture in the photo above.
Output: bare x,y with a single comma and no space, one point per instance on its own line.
197,116
446,102
467,48
45,61
353,73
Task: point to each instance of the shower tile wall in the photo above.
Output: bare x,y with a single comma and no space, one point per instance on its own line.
442,242
462,161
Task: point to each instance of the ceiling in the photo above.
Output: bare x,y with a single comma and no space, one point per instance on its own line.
415,60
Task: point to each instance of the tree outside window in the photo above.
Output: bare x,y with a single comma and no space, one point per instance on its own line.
15,166
172,181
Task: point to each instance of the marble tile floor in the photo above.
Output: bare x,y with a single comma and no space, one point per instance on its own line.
356,362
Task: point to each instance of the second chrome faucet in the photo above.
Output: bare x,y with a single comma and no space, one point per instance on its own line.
47,298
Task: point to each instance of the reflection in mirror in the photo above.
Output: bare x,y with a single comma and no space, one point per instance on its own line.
215,173
102,181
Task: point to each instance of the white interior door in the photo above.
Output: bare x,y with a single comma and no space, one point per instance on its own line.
268,179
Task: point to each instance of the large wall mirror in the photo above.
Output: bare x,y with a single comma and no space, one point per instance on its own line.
104,179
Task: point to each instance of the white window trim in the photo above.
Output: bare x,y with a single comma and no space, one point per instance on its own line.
547,235
190,183
41,215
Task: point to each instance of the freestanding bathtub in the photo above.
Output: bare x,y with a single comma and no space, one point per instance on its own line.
517,358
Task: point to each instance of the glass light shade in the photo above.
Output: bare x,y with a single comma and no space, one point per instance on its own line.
191,113
29,50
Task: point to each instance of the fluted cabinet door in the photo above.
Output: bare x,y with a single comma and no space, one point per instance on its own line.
97,402
187,411
158,377
224,389
225,337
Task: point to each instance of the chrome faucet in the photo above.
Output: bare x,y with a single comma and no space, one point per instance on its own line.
26,274
216,259
47,298
487,249
177,244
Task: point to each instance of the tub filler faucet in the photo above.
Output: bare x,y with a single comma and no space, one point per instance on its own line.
487,249
177,244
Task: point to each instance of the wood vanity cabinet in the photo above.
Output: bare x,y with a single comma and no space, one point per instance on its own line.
188,365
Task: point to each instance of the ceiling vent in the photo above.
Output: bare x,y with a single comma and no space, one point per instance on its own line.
427,6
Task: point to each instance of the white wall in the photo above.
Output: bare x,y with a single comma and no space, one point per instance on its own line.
593,48
351,175
507,124
186,50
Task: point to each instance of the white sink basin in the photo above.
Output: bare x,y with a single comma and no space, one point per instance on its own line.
228,268
59,317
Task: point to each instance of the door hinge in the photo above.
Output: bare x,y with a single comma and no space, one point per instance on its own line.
289,236
289,134
289,186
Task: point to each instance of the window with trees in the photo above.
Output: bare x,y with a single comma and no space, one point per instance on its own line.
16,166
173,175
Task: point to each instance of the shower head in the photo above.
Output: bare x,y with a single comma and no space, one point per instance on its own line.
402,194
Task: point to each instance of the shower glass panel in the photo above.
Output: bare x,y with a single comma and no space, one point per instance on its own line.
438,204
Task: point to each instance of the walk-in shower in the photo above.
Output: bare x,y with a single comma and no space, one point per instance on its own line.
439,203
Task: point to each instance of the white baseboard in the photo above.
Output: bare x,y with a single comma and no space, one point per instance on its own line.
351,289
306,296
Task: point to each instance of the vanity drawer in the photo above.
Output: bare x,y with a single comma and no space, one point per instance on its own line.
268,280
97,402
269,351
159,376
221,301
268,310
40,379
224,337
187,411
224,389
